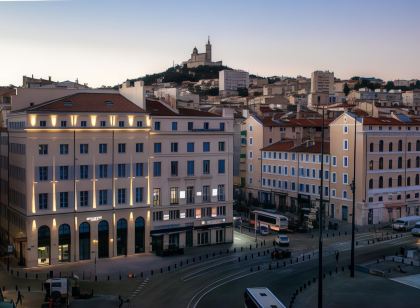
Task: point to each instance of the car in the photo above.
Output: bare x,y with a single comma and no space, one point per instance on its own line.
416,230
282,240
281,254
264,230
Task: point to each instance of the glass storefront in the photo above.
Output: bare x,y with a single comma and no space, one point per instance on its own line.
44,245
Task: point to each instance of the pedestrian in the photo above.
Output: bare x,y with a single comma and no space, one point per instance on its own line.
120,301
19,299
337,255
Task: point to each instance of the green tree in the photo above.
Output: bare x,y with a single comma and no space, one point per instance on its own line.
346,89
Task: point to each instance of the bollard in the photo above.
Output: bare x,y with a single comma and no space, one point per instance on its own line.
141,274
256,245
357,243
303,258
214,254
304,285
339,233
26,275
269,266
199,258
300,289
252,255
284,264
314,279
330,273
169,268
36,276
207,256
151,272
187,261
336,270
107,278
333,234
309,283
342,268
96,278
180,263
239,259
258,253
16,287
264,242
251,269
297,260
345,233
29,288
291,261
193,259
277,264
250,247
241,249
246,257
161,270
309,257
258,267
175,265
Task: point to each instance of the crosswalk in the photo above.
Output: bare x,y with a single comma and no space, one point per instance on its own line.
139,288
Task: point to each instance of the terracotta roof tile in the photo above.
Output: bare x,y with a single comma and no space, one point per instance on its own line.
279,146
157,108
314,147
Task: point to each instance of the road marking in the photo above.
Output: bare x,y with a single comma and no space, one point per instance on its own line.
196,273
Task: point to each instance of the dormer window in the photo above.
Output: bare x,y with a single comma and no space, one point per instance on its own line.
68,104
63,124
42,123
83,123
139,123
103,123
121,124
109,103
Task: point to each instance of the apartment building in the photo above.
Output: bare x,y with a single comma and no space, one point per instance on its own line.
97,175
322,89
412,99
232,80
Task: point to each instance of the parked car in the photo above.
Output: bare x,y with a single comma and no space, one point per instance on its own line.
281,254
264,230
405,223
282,240
416,230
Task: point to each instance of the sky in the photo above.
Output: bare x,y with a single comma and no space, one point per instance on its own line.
105,42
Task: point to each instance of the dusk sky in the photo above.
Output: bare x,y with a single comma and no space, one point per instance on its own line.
106,42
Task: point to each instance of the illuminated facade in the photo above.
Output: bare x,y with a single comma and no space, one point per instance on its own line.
92,175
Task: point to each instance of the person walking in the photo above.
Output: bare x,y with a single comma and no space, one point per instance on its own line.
337,256
120,301
19,299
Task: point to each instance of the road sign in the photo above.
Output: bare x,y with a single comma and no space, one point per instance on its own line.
10,249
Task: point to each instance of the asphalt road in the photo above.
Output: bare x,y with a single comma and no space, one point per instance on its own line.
221,282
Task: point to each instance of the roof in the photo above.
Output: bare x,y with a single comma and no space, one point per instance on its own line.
88,102
268,121
280,146
7,91
157,108
389,121
311,147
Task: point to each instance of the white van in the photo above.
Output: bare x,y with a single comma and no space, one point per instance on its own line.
405,223
416,230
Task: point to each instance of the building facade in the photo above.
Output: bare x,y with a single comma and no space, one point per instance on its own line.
232,80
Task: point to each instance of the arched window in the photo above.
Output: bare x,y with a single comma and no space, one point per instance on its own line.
121,237
400,145
371,147
381,145
408,163
399,162
371,165
381,182
64,243
417,179
409,147
418,145
381,163
389,182
390,147
408,181
399,180
139,235
44,245
418,162
84,241
370,184
390,164
103,239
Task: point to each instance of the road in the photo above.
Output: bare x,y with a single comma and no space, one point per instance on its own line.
221,282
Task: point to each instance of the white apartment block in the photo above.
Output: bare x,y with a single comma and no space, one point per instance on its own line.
232,80
102,175
322,82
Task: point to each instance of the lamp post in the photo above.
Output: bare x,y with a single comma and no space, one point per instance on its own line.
321,214
353,189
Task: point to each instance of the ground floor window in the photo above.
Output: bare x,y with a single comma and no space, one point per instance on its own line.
44,245
103,239
122,237
203,238
64,243
139,235
344,213
332,210
84,241
174,240
220,236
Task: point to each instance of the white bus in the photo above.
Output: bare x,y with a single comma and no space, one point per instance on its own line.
261,298
275,222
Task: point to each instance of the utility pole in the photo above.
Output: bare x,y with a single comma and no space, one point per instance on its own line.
353,188
321,214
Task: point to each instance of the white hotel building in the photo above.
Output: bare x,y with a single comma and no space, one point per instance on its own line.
108,174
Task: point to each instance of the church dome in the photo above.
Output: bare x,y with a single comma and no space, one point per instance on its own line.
195,50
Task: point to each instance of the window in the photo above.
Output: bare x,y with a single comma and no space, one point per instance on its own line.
156,196
121,170
409,147
190,194
158,216
205,196
221,146
221,192
389,182
190,168
381,163
334,161
43,149
408,181
390,147
103,171
64,149
121,195
418,145
139,147
121,124
345,129
206,166
84,198
408,163
174,193
381,145
174,238
139,123
103,197
139,169
190,213
43,173
250,140
63,124
371,165
222,126
157,147
370,184
345,178
43,201
371,147
102,124
206,125
400,146
417,179
43,123
157,125
139,194
399,180
390,164
121,147
174,147
84,148
174,168
190,147
190,125
417,162
103,148
345,144
64,199
157,168
174,126
206,146
64,172
399,162
345,161
83,123
221,166
381,182
84,171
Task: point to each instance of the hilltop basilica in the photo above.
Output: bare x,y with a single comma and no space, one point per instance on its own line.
198,59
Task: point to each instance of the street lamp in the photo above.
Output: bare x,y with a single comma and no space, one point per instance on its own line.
353,189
